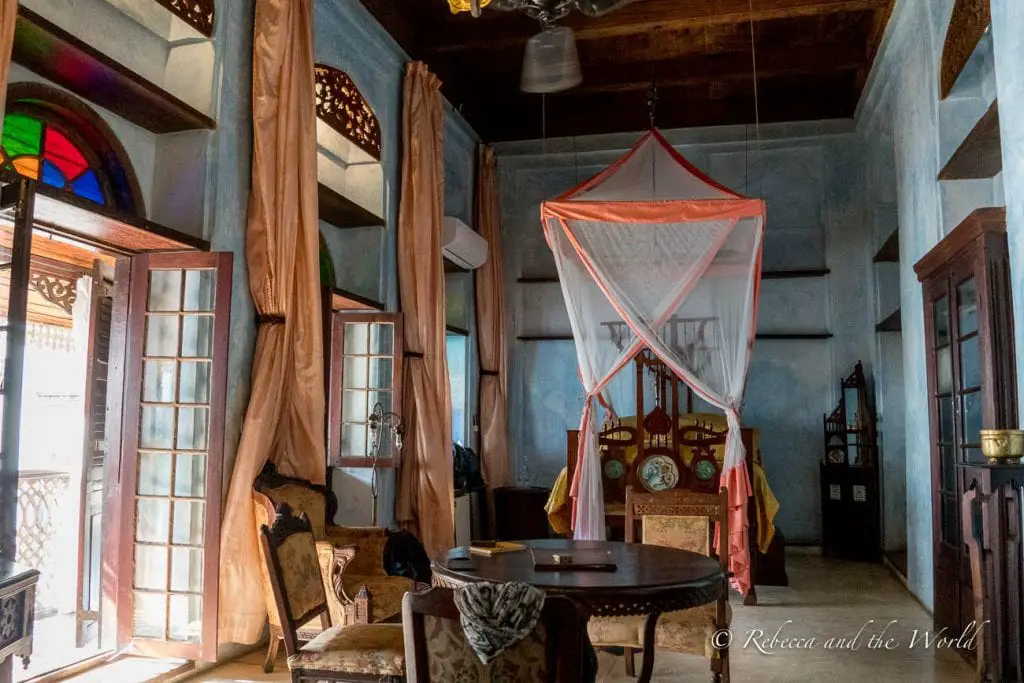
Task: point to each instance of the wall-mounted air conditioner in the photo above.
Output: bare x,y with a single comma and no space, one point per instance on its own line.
463,246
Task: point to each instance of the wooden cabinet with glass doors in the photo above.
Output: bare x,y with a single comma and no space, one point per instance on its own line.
971,385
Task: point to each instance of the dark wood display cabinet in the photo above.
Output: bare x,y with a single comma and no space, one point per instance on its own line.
971,385
850,499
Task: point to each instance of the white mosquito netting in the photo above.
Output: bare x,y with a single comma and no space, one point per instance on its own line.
646,244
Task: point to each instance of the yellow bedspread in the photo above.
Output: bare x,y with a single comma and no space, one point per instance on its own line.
559,510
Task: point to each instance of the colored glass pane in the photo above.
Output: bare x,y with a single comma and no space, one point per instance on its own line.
38,151
52,175
87,186
60,151
28,167
22,135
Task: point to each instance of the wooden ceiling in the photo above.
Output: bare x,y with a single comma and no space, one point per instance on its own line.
813,58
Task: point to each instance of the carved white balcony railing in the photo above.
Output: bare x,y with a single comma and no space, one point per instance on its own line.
41,494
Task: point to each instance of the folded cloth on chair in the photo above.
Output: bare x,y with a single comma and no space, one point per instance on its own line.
496,616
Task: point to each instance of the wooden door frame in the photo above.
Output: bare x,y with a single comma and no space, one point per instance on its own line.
141,266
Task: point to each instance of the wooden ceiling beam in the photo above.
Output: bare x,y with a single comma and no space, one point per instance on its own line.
497,28
687,71
518,117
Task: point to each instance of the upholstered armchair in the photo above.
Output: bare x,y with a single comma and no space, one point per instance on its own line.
359,591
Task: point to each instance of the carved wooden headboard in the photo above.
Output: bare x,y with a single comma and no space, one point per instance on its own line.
664,448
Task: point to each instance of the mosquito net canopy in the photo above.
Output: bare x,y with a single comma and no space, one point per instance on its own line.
647,241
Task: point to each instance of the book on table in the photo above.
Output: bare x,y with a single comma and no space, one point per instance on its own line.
491,548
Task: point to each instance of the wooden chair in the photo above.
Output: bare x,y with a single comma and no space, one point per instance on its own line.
359,591
677,519
436,649
359,652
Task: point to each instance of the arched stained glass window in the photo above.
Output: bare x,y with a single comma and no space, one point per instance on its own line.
36,149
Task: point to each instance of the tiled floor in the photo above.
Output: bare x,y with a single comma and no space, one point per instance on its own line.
826,599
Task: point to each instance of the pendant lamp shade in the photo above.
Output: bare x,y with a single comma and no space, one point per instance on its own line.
551,63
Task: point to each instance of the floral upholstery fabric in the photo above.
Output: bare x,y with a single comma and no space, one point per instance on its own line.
386,594
301,499
450,657
300,574
672,531
687,631
361,649
370,541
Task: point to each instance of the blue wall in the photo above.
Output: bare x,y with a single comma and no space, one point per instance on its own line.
811,176
901,109
349,38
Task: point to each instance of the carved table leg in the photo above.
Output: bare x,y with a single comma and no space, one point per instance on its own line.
650,629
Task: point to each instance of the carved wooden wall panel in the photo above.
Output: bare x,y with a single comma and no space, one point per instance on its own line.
196,13
340,105
966,28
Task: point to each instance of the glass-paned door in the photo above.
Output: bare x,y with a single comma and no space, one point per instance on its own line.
365,370
171,458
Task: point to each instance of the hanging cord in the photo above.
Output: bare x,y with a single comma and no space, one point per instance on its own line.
652,111
757,103
575,164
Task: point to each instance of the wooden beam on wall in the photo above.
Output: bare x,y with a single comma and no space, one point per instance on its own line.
495,28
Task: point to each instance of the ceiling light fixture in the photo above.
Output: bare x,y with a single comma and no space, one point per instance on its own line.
551,62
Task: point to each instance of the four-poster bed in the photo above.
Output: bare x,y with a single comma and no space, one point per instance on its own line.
656,258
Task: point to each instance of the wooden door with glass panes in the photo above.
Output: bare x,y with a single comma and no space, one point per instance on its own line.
969,341
365,370
170,457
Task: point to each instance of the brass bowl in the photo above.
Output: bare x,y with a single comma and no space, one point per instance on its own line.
1002,445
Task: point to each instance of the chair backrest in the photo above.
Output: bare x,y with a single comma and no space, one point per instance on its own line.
289,549
437,650
682,519
315,501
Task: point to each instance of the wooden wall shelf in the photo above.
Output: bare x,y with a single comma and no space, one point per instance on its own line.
342,212
892,323
56,55
780,336
980,155
790,274
889,252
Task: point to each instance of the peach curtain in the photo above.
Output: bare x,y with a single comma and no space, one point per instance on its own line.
8,17
285,418
426,490
490,327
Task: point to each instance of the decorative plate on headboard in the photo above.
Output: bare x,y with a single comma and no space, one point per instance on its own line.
658,472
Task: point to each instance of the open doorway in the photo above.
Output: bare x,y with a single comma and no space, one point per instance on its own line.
62,438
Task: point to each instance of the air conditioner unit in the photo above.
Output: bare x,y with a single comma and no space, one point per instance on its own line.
463,246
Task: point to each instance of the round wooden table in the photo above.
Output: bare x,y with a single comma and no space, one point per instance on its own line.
649,580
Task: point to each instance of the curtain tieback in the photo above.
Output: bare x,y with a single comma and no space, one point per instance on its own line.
270,320
413,354
489,373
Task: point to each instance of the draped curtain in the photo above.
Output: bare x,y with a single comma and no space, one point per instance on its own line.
8,17
490,327
284,421
426,490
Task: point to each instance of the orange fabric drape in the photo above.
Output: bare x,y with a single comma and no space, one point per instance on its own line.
8,17
426,490
490,327
285,418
